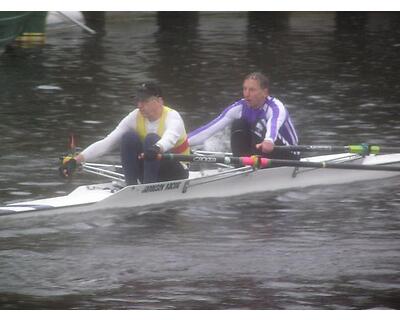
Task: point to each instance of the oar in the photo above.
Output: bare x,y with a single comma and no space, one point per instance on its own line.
83,26
72,144
363,148
259,162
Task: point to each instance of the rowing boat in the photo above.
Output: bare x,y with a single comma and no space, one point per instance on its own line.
223,181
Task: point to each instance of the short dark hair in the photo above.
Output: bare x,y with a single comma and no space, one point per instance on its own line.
147,90
260,77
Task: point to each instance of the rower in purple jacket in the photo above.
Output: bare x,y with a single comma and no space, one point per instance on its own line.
258,123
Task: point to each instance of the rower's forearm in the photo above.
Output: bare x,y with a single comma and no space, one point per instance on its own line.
80,158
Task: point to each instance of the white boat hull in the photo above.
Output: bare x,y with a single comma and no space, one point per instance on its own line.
215,184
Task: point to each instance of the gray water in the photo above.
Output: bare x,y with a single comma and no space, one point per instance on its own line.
331,247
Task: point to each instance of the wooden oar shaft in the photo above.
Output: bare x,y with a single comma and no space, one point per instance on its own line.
269,163
359,148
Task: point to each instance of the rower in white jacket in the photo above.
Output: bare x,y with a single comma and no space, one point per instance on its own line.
150,129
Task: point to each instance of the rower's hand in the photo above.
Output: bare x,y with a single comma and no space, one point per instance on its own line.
152,152
68,166
266,146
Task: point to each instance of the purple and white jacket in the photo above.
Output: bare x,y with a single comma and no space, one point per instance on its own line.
273,116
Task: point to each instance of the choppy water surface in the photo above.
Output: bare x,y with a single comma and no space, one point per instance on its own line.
332,247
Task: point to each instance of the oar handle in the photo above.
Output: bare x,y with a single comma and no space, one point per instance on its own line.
260,162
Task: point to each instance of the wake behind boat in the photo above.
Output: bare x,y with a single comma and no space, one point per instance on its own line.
225,181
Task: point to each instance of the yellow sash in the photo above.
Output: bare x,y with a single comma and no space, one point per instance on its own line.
181,146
